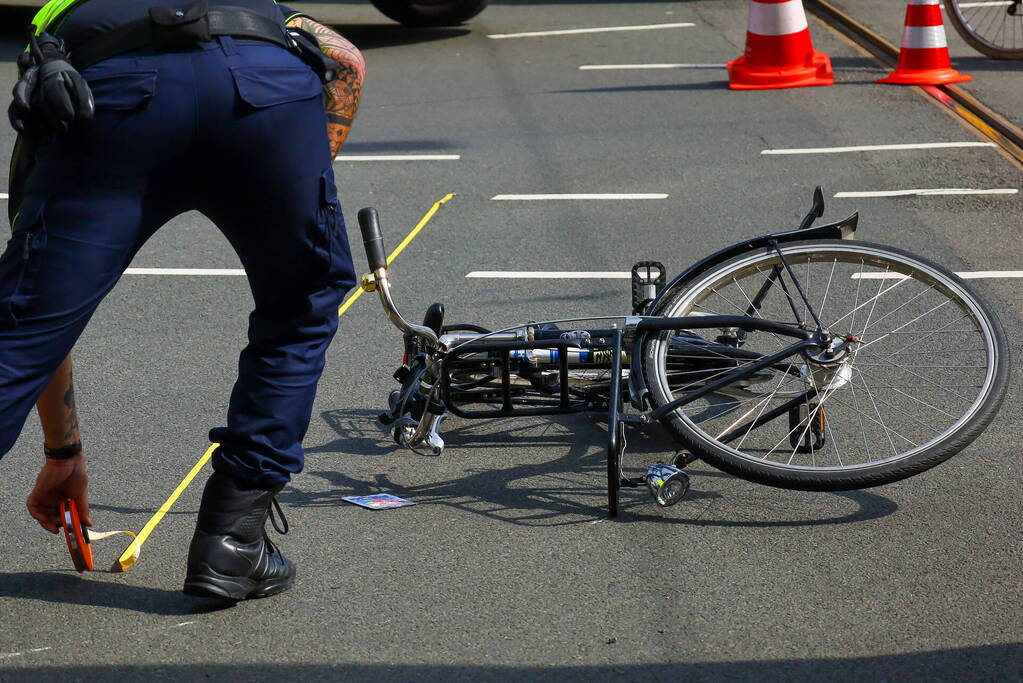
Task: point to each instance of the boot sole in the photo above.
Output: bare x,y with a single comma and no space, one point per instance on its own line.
210,584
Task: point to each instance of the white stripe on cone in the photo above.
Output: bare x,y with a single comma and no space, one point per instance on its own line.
924,37
924,2
776,18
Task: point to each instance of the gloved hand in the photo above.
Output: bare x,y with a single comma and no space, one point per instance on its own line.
51,95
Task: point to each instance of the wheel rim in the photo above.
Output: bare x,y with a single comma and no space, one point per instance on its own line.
922,365
996,24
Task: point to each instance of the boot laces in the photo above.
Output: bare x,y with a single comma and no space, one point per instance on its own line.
281,528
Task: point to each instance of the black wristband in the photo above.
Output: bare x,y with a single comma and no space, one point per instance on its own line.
64,452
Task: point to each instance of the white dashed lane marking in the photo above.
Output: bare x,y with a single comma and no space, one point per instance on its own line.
184,271
549,275
398,157
877,148
625,275
541,197
575,31
966,275
941,191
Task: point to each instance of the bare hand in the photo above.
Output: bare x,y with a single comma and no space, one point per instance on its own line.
58,481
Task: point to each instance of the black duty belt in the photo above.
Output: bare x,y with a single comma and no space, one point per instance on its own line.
170,28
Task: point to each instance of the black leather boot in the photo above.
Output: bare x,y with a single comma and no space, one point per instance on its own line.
230,555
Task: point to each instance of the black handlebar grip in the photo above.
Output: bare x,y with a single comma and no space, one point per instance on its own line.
369,223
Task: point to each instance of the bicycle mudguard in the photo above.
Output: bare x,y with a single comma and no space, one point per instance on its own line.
77,536
842,229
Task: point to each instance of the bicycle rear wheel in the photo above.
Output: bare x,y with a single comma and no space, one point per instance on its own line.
992,27
919,368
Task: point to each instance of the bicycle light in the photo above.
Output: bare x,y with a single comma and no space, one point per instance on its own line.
667,484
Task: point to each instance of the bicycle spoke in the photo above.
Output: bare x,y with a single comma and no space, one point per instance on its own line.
874,405
909,396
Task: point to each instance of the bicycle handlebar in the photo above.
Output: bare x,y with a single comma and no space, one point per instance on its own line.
369,223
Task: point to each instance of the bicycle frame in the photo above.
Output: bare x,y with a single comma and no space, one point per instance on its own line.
437,357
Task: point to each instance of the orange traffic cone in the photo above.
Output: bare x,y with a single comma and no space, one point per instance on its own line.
779,52
924,57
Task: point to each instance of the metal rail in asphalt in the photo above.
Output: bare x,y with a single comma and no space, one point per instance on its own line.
1007,135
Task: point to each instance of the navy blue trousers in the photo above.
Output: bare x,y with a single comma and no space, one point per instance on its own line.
237,131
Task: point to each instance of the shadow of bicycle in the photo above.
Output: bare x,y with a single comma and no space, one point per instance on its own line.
565,490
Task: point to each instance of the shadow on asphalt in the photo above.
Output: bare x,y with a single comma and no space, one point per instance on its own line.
71,589
968,64
356,147
373,36
565,491
988,662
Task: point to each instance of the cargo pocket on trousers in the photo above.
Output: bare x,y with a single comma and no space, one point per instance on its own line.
22,261
335,239
122,90
266,86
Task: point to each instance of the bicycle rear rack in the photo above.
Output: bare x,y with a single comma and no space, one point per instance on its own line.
499,355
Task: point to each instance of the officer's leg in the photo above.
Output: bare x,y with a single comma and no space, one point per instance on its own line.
278,207
68,250
90,200
292,243
275,201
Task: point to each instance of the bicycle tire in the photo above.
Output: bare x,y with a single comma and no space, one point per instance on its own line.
841,403
988,28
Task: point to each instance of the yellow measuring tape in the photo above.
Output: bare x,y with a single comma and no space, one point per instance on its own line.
398,249
131,555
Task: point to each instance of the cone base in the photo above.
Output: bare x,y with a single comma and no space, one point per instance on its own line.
925,77
816,71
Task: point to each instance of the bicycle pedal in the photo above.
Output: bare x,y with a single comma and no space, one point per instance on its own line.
683,459
648,277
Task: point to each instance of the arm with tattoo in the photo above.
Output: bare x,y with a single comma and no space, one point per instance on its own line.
343,94
60,479
58,413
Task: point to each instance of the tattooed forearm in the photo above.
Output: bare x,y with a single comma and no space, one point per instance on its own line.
58,412
71,420
342,95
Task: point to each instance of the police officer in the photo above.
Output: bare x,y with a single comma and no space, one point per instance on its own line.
131,112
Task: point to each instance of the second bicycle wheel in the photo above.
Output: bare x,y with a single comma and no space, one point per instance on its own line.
918,369
992,27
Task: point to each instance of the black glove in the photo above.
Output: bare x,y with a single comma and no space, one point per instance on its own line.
51,95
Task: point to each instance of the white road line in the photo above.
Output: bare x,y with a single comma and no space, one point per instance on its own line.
539,197
3,195
574,31
398,157
612,67
184,271
1000,3
620,275
924,193
549,275
877,148
966,275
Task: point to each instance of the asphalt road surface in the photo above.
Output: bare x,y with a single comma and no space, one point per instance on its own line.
507,569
